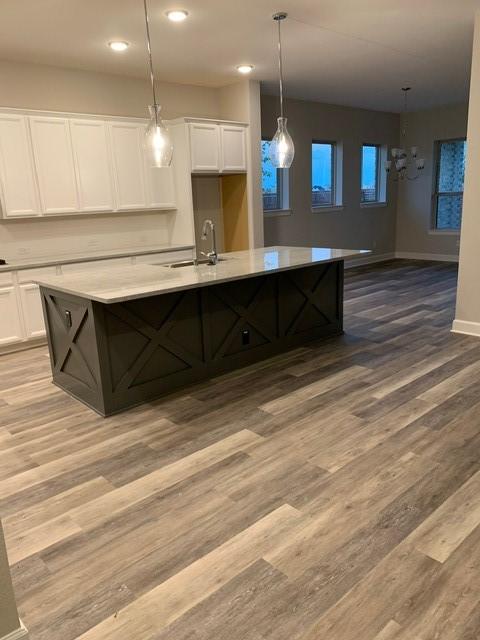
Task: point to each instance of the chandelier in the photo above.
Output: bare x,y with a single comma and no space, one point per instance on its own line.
406,164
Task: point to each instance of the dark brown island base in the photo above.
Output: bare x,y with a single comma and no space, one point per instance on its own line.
124,336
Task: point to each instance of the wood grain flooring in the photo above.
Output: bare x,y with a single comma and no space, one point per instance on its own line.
329,493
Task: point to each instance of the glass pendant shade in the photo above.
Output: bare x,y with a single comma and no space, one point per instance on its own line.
282,149
158,142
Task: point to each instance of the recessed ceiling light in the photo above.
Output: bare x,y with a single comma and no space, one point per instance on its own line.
245,68
177,15
119,45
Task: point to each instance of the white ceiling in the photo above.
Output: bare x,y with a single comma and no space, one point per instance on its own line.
352,52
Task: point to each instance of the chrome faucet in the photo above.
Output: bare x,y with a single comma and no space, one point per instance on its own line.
212,255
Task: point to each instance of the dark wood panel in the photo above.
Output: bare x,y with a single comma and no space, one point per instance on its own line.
116,356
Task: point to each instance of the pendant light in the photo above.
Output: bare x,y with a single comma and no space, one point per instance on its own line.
158,143
282,148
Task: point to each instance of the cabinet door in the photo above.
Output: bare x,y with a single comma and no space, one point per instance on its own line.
160,187
10,327
52,148
128,164
32,310
205,147
233,145
92,165
17,169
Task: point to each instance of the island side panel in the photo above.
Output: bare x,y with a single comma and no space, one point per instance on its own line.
115,356
72,343
151,346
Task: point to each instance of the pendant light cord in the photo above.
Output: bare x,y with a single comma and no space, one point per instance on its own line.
149,49
280,67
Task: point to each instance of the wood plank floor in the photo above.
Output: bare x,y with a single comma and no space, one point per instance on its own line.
331,493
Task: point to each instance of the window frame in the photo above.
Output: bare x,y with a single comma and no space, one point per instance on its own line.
282,190
334,156
436,183
378,178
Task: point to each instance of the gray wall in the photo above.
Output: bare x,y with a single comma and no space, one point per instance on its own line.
353,227
414,209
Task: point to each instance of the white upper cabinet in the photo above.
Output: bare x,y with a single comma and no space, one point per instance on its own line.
217,148
128,165
17,172
205,147
233,146
53,164
160,187
92,165
52,149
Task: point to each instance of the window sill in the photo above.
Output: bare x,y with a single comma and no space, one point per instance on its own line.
274,213
373,205
444,232
328,209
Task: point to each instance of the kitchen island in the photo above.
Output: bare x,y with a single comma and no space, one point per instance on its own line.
126,335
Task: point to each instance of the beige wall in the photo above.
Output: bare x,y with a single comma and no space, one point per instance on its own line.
414,210
467,317
353,227
9,621
30,86
50,88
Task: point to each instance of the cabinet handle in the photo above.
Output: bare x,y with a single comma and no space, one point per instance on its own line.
68,318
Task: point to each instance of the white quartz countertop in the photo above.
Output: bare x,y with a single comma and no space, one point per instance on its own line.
32,262
117,284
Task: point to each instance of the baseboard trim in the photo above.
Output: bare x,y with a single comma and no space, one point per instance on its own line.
466,328
18,634
434,257
22,346
371,259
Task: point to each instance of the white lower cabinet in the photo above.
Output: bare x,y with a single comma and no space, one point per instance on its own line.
10,324
32,311
21,312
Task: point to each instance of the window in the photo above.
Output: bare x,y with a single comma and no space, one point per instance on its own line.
274,182
323,174
370,173
448,196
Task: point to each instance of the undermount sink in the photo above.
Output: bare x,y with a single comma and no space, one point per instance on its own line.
190,263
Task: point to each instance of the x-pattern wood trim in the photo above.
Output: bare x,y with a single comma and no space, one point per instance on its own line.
245,314
310,301
156,338
70,335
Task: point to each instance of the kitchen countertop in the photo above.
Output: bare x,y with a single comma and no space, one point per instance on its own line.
117,284
32,262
